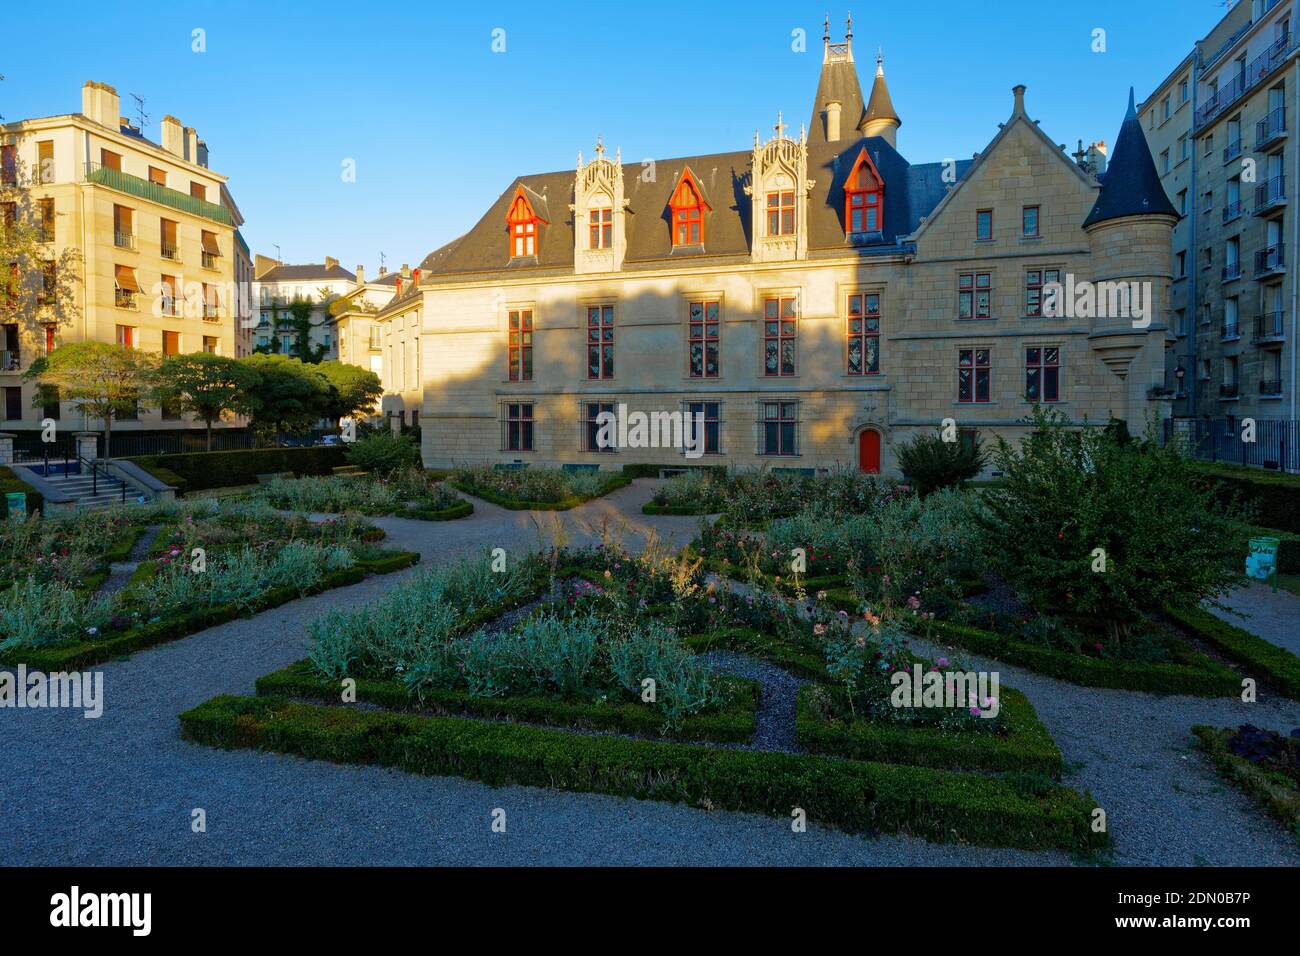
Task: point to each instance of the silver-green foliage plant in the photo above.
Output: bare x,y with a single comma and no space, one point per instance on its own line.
682,686
925,546
39,614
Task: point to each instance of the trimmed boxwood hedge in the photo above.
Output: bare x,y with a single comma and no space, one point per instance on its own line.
10,482
802,660
1258,657
75,656
856,796
612,483
1195,674
201,470
1272,790
462,510
650,508
652,471
1274,496
734,722
1026,745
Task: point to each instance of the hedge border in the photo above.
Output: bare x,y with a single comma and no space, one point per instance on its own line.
734,722
614,482
1280,666
1207,679
462,510
203,470
1025,747
799,660
650,508
856,796
1280,798
74,656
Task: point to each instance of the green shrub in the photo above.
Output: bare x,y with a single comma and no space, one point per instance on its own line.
1066,493
927,547
224,469
10,482
384,453
1273,498
930,463
36,614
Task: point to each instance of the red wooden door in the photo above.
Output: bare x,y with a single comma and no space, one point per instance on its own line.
869,451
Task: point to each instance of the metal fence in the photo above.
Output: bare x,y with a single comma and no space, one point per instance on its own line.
1276,444
129,444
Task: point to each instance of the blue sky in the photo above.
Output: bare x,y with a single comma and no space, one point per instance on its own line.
438,124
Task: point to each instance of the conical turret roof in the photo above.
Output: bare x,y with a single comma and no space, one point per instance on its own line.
1131,186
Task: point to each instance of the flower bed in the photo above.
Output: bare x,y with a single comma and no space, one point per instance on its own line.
747,498
409,493
541,489
1263,764
74,549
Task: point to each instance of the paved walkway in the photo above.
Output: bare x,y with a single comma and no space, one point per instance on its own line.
1274,617
120,789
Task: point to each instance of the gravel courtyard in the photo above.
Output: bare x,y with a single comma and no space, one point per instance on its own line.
121,789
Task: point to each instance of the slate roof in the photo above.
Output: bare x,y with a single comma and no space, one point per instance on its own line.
301,273
880,106
838,82
1130,186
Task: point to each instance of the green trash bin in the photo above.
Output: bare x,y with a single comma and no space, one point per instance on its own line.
16,501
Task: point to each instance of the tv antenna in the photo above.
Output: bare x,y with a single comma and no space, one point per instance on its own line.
278,258
142,118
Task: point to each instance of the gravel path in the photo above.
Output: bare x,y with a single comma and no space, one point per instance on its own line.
776,707
1274,617
120,572
120,789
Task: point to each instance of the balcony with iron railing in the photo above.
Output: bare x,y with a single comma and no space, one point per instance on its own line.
125,299
171,251
1231,210
124,240
209,260
1230,330
1270,388
1228,392
1270,194
211,312
1270,261
1232,151
143,189
1271,128
1268,328
1232,272
1233,89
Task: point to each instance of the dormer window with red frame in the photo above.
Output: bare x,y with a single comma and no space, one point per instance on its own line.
780,213
688,209
523,222
602,228
864,197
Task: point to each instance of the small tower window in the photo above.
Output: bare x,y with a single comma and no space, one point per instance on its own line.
864,198
780,213
523,222
688,207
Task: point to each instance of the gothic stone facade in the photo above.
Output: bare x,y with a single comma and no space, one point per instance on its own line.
820,298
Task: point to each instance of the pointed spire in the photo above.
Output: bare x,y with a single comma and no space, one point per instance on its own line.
848,33
880,118
880,61
826,31
838,84
1131,186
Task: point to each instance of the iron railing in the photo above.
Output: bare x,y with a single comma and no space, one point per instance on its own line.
142,188
1268,327
1276,445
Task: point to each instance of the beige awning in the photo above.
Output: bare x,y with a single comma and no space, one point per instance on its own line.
126,279
210,244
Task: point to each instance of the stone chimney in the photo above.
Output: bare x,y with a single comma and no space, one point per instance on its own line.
1097,158
361,275
383,271
833,121
173,136
203,154
262,265
406,271
1019,92
101,104
191,144
330,263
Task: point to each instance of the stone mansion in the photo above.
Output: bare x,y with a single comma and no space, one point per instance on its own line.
817,298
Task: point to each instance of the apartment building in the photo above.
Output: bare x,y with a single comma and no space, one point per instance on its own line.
279,288
149,229
358,336
816,298
1234,101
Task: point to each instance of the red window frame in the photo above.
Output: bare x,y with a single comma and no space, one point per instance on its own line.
780,336
974,376
983,216
519,426
1024,221
780,213
687,208
126,336
864,198
1042,373
975,295
600,341
523,221
705,324
863,331
1035,281
49,339
519,345
601,225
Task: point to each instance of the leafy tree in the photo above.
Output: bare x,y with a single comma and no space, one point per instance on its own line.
384,453
292,394
931,463
38,289
298,320
104,381
356,389
1067,493
206,386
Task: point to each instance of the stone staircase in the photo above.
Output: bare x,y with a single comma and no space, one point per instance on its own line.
85,491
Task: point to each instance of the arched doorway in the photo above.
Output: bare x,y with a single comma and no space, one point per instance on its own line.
869,451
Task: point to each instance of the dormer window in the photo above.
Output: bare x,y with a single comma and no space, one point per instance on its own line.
780,213
864,198
602,228
688,208
523,222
